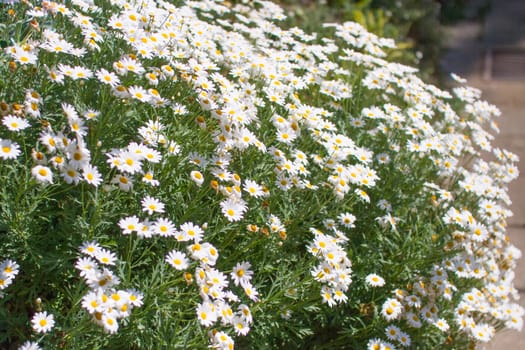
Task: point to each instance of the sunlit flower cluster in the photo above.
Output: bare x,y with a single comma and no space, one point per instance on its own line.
104,301
334,269
8,271
210,135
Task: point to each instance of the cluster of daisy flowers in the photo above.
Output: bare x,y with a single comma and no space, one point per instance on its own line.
214,286
410,309
217,301
480,260
104,302
334,270
8,271
281,103
64,152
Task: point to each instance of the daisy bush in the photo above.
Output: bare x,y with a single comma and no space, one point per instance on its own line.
191,174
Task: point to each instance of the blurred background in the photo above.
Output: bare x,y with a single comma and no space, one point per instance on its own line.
480,40
420,27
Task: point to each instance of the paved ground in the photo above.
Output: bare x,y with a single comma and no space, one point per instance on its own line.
490,53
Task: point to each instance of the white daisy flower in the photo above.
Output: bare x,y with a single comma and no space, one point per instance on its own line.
42,174
9,149
375,280
178,260
42,322
14,123
152,205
